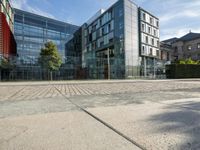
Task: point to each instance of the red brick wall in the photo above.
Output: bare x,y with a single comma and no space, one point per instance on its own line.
1,35
7,41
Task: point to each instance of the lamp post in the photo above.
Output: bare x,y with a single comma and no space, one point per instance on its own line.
145,67
108,58
154,68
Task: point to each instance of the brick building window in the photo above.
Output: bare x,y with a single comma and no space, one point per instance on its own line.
168,56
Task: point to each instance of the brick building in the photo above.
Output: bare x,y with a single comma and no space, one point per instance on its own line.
185,47
7,41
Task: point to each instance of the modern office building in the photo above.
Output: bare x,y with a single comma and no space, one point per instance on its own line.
185,47
7,41
32,31
120,42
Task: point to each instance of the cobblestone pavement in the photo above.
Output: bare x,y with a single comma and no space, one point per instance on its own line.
155,114
39,91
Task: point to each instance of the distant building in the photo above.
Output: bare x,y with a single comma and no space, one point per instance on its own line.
166,50
165,58
185,47
7,41
32,31
120,42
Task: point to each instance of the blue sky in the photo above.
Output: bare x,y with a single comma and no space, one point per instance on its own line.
177,17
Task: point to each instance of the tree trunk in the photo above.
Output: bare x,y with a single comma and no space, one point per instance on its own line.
0,74
51,75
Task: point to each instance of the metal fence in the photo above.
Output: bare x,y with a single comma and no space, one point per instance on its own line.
38,74
72,69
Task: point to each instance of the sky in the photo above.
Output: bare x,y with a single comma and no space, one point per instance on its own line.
177,17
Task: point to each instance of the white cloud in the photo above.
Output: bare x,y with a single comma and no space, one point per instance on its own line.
18,3
39,12
177,32
182,14
176,9
23,5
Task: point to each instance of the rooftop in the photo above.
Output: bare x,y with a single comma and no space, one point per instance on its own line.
170,40
190,36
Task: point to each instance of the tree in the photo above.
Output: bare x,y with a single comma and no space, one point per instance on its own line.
6,64
188,62
49,58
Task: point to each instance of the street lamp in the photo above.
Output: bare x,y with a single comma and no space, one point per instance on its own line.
108,58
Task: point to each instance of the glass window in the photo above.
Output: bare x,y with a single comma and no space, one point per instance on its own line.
189,47
106,41
157,53
147,40
143,27
157,23
120,12
151,51
112,25
121,25
149,29
93,36
151,20
155,33
144,16
198,45
143,49
152,41
157,43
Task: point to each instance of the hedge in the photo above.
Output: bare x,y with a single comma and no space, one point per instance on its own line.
179,71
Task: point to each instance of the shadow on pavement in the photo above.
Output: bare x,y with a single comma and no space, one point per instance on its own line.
181,118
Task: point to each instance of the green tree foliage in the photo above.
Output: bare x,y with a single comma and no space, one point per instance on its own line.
5,64
188,62
49,57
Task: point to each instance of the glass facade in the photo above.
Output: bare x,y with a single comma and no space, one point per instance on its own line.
131,39
111,43
99,54
32,31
